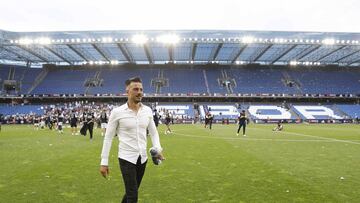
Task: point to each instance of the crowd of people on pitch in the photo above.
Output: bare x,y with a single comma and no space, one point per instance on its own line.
85,114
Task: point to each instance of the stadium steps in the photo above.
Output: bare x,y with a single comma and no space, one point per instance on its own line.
229,88
158,86
11,73
294,112
339,112
38,79
206,82
22,78
5,78
96,76
287,77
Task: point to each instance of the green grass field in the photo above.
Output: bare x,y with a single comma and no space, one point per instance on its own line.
304,163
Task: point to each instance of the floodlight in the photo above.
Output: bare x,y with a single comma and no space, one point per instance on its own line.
328,41
139,39
25,41
114,62
247,39
293,63
44,40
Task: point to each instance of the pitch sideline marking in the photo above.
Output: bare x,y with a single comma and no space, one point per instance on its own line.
314,136
255,139
322,139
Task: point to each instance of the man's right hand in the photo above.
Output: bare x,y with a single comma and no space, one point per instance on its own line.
104,170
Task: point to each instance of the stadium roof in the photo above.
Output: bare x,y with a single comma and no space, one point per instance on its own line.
181,47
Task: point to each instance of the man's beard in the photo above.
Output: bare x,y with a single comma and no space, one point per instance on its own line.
137,100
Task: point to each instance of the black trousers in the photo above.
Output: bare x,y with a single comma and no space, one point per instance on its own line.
210,124
90,127
241,124
132,175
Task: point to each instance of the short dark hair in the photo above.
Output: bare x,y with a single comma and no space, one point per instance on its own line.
134,79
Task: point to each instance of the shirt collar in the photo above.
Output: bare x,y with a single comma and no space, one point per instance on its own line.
127,106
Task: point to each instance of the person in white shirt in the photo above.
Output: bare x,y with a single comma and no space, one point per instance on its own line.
130,122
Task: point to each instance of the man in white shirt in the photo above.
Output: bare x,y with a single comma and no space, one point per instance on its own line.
130,122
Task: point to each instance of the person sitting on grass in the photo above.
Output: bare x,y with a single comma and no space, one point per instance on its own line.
279,127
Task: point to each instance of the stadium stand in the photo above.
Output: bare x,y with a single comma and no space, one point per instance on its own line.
64,81
8,109
113,80
196,80
219,111
185,81
327,80
273,112
213,75
308,112
352,110
179,112
263,80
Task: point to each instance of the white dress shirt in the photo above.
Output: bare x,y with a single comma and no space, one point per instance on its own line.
131,130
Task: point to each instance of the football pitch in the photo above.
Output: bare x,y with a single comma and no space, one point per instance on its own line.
304,163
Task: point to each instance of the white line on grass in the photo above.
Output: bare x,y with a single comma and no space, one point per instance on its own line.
321,139
314,136
252,139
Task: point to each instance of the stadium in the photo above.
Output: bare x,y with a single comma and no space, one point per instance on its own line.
307,82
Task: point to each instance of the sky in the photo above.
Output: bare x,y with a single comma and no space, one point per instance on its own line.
260,15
